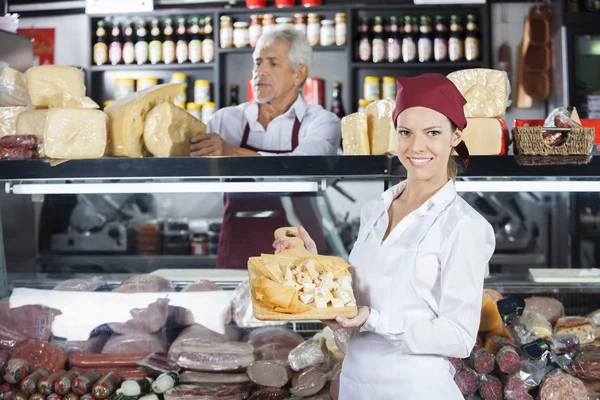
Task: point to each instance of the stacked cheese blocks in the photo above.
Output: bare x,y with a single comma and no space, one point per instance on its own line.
486,92
370,132
49,102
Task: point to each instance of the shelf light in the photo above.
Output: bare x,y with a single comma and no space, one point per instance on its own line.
528,186
166,187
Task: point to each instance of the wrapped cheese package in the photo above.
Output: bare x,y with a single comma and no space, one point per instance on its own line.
168,130
382,135
355,135
13,91
75,133
486,136
32,123
127,117
68,99
45,81
8,120
486,91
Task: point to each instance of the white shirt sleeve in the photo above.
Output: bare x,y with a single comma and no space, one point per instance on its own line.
453,333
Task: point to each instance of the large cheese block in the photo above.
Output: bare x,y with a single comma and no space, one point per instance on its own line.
355,135
75,133
8,120
128,115
13,91
486,136
486,91
168,130
32,123
68,99
380,127
45,81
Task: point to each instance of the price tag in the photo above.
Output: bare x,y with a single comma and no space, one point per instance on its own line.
118,6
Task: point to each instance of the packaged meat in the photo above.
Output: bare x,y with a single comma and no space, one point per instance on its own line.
87,396
564,343
274,374
308,354
582,327
199,378
106,385
10,339
152,318
165,382
193,333
537,324
308,382
322,395
8,392
274,342
587,363
33,321
16,370
563,387
508,360
128,373
29,384
37,396
561,118
81,285
457,363
29,142
65,384
17,153
42,355
495,343
21,396
482,360
139,343
84,382
269,394
136,388
532,372
46,384
69,396
334,386
515,388
342,338
491,388
90,360
242,311
92,345
191,392
550,308
215,356
467,381
159,363
183,316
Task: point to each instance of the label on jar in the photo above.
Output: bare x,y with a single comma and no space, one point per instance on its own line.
440,49
340,34
301,28
389,89
471,49
168,50
394,51
425,49
241,38
155,51
313,33
195,51
254,32
100,53
201,94
141,52
409,50
378,50
128,53
182,51
455,49
327,36
371,91
226,37
364,50
114,53
208,50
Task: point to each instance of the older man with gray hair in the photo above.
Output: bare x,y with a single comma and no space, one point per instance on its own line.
278,121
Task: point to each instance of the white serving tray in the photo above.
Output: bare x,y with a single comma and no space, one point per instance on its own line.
565,275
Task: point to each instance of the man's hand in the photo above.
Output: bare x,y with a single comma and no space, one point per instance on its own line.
209,144
356,322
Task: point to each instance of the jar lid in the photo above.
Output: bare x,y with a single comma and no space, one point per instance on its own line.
299,15
363,102
225,18
128,80
178,75
108,102
240,24
371,79
209,104
202,82
192,106
389,79
327,22
284,20
148,78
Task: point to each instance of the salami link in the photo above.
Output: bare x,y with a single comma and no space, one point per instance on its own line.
38,396
16,370
71,396
563,387
65,384
29,384
42,355
482,360
106,386
18,153
491,389
54,396
13,141
90,360
467,381
84,382
508,360
46,384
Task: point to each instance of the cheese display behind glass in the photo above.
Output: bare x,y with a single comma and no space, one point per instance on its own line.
45,81
486,91
486,136
13,91
8,119
355,135
74,133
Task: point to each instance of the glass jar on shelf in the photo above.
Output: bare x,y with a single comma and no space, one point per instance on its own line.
268,23
281,21
226,34
341,29
371,89
145,83
194,109
208,109
327,35
241,37
300,22
124,87
313,29
201,92
255,29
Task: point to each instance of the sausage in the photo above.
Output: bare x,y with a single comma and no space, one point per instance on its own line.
508,360
18,153
84,382
64,384
550,308
491,388
107,385
457,363
42,355
159,363
21,396
16,370
90,360
87,396
7,392
563,387
39,396
467,381
165,382
515,388
563,121
269,373
125,373
269,394
29,384
482,361
136,388
46,384
25,141
70,396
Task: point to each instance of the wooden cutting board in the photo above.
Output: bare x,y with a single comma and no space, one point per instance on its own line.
297,250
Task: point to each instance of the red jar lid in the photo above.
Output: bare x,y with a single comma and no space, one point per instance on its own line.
285,3
256,3
311,3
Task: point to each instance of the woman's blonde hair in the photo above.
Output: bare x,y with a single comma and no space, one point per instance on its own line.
452,167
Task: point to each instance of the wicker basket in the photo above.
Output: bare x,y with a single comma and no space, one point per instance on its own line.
529,141
552,160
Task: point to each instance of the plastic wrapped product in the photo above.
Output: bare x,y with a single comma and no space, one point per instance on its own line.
355,135
563,387
218,392
29,142
29,384
135,387
92,345
467,381
342,338
269,394
308,354
491,388
582,327
83,383
495,343
8,392
587,363
515,388
457,363
243,315
382,135
127,373
10,339
200,378
486,90
165,382
193,333
183,316
16,370
70,100
322,395
274,342
168,130
482,360
492,294
274,374
215,356
75,133
159,363
532,372
44,81
550,308
81,285
8,120
537,324
32,123
46,384
65,384
107,385
42,355
93,360
13,91
564,343
508,360
140,343
17,153
308,382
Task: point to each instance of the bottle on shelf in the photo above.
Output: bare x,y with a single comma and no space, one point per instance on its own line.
226,32
195,45
472,43
141,45
208,42
155,45
364,40
337,105
181,49
234,90
341,29
409,46
129,44
255,29
168,46
440,41
313,29
455,42
100,47
378,43
394,45
115,50
425,44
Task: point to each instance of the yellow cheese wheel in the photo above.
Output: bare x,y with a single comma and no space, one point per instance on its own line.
490,317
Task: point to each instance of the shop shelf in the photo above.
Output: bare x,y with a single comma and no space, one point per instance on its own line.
151,67
418,65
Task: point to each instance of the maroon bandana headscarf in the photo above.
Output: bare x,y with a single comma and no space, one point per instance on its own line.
438,93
